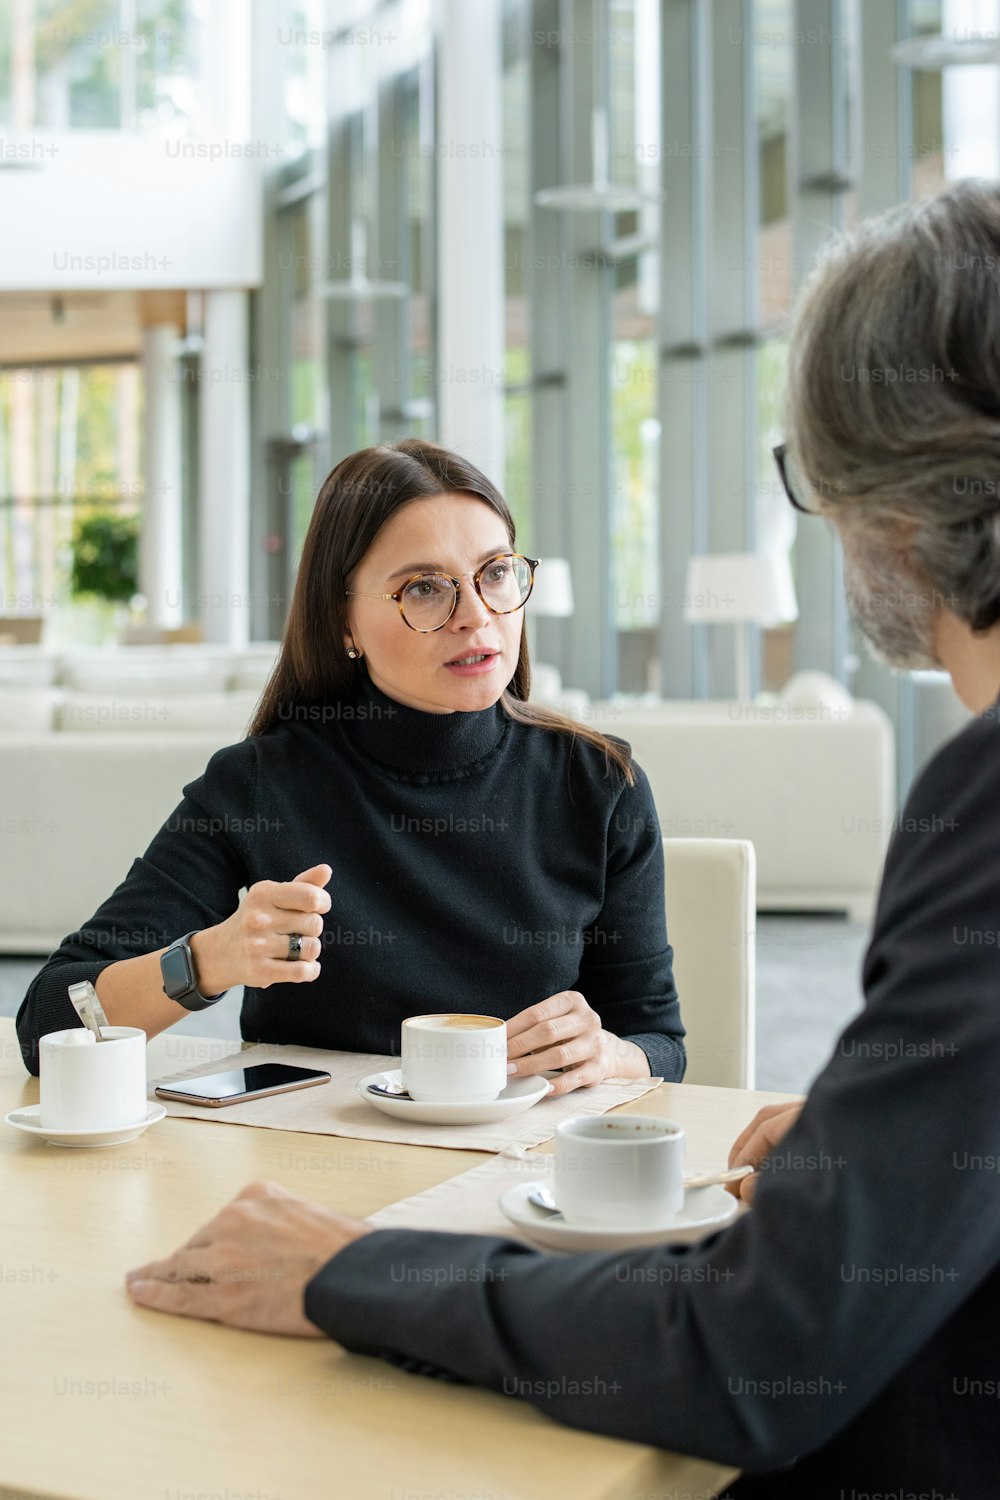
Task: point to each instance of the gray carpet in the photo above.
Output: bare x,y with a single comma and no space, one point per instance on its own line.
808,986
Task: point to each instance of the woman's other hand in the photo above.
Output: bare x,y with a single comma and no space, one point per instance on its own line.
564,1032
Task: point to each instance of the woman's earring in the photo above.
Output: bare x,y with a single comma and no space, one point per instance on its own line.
353,653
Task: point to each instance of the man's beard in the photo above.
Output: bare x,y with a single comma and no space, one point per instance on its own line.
894,610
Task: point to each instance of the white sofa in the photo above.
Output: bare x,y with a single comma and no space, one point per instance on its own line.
813,790
75,810
95,748
157,669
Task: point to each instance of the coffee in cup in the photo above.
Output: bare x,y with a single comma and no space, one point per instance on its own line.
85,1084
621,1171
454,1057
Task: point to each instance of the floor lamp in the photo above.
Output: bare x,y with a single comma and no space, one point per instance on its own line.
552,595
741,589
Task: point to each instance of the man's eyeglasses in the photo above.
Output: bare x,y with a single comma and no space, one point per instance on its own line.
788,478
428,600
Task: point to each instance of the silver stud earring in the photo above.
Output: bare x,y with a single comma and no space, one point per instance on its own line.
353,653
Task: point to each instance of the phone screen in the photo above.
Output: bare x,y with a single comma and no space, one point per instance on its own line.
243,1083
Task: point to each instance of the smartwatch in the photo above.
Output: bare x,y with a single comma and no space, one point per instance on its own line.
180,982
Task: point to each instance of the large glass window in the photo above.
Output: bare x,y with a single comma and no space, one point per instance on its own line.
70,449
379,292
345,320
611,389
301,49
103,65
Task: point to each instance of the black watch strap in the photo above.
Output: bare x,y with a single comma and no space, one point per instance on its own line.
180,976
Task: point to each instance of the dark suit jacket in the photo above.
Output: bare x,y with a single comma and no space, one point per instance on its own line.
849,1326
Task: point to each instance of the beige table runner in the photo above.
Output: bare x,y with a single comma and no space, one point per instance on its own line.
335,1108
468,1203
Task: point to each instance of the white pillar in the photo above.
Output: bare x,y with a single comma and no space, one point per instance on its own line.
470,233
160,551
224,474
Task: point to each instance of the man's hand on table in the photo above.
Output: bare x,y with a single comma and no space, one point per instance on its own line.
765,1130
564,1032
248,1267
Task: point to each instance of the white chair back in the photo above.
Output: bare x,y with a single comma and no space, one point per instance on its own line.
711,887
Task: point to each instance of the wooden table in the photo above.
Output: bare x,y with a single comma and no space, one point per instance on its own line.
100,1400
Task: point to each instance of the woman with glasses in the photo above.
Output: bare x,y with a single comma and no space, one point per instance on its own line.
412,834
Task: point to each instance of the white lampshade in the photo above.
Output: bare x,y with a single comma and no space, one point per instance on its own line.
740,588
552,594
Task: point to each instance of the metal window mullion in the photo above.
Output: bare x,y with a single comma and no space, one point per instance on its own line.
271,351
731,375
818,163
885,169
318,213
341,314
546,283
591,657
189,368
682,336
885,179
388,260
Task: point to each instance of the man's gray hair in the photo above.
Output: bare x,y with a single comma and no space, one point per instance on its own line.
893,397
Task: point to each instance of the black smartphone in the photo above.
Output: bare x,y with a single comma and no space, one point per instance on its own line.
242,1083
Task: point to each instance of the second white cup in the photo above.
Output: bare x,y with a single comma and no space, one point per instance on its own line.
624,1171
451,1057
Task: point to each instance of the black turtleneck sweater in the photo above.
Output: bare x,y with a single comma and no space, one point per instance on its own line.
478,865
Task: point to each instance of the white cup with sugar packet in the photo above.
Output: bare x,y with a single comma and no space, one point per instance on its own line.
90,1085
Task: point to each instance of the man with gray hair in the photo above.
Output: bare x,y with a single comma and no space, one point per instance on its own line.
844,1336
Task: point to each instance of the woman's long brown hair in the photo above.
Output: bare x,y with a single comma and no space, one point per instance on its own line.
355,501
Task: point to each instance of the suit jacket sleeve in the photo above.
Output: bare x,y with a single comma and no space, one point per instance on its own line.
760,1344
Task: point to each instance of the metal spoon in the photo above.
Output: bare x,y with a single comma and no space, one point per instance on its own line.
542,1197
392,1091
83,998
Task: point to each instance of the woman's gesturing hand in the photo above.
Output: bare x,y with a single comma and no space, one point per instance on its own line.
251,946
564,1032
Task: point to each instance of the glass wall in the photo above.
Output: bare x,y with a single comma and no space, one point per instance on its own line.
103,65
670,173
345,320
70,453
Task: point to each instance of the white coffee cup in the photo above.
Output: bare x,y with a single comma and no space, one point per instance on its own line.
451,1057
622,1171
90,1085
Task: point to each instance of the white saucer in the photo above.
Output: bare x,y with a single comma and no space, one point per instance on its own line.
27,1119
519,1095
705,1210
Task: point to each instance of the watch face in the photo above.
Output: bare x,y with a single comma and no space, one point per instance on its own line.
176,970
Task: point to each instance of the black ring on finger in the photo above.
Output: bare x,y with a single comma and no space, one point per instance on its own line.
294,946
